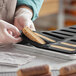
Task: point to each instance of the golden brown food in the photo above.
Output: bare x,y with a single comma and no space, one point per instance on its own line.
49,74
51,40
68,75
62,47
68,70
68,44
32,36
34,71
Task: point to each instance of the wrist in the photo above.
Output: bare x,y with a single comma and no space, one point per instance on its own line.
24,11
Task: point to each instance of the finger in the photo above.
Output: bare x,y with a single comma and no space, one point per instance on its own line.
10,32
32,26
18,25
16,40
14,30
11,38
27,23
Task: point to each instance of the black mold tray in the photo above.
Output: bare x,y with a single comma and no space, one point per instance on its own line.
59,36
62,48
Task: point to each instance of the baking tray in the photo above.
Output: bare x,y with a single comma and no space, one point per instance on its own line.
58,36
70,43
62,48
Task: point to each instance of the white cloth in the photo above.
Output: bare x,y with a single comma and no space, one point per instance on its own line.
14,59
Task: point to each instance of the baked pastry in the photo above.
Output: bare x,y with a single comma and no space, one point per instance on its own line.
68,75
32,36
68,70
62,47
49,39
49,74
34,71
68,44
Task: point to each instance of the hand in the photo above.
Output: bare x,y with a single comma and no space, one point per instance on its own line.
8,33
23,18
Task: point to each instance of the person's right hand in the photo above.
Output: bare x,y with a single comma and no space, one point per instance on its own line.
8,33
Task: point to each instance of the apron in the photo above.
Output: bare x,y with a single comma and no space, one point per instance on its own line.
7,10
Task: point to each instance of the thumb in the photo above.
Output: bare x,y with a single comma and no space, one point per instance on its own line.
14,30
11,39
32,27
16,40
30,24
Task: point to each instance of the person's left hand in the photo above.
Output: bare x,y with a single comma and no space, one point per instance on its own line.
23,19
